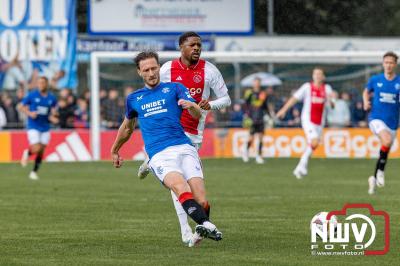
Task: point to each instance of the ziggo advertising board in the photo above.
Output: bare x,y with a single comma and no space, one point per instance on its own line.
218,143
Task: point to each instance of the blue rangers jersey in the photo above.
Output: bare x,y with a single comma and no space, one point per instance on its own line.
159,115
386,101
42,105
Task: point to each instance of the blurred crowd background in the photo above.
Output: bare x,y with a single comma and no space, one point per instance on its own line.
74,109
316,26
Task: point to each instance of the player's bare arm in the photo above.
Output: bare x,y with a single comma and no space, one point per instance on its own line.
366,100
282,112
193,108
124,133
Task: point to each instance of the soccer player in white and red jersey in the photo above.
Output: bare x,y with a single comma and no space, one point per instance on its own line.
314,95
199,77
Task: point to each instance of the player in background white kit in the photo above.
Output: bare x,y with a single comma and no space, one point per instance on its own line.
199,77
314,95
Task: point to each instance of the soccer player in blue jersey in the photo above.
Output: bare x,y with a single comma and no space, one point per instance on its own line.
39,106
384,116
173,159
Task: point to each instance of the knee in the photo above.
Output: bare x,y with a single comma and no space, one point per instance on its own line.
179,189
35,149
387,140
314,144
387,143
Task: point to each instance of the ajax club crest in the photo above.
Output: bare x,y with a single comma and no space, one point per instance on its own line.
197,78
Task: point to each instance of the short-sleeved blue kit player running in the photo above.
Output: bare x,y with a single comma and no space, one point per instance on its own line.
386,101
42,105
159,115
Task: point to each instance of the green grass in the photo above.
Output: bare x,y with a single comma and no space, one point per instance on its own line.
93,214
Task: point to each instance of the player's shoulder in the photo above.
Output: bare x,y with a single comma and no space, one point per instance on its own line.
306,85
377,77
171,84
52,95
247,93
173,64
166,65
136,93
210,66
33,93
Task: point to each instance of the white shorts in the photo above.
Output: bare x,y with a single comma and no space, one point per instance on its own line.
183,159
312,131
38,137
377,125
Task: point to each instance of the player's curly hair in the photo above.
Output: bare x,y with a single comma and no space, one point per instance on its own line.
184,36
145,55
391,54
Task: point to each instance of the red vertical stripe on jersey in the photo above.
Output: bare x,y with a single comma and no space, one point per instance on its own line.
318,98
193,79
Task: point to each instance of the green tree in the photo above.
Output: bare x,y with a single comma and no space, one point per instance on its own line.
334,17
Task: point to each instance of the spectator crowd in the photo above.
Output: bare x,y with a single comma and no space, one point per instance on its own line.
17,77
74,111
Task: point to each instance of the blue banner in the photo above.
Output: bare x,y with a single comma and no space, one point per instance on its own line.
38,38
88,44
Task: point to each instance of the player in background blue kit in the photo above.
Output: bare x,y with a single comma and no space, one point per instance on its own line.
39,106
384,116
173,159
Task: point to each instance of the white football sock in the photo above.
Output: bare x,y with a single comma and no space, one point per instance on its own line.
305,157
180,212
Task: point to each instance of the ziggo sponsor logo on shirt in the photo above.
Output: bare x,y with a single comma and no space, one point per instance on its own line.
194,91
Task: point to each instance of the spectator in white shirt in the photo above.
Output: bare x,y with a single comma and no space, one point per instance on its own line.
3,119
340,115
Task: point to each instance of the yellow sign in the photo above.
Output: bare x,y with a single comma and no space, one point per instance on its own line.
5,147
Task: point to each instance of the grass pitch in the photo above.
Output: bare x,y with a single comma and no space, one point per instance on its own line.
93,214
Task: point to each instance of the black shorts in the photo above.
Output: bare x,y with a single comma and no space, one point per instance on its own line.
257,128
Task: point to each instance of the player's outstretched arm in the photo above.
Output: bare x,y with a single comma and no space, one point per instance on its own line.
282,112
219,88
124,133
366,100
217,104
193,108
